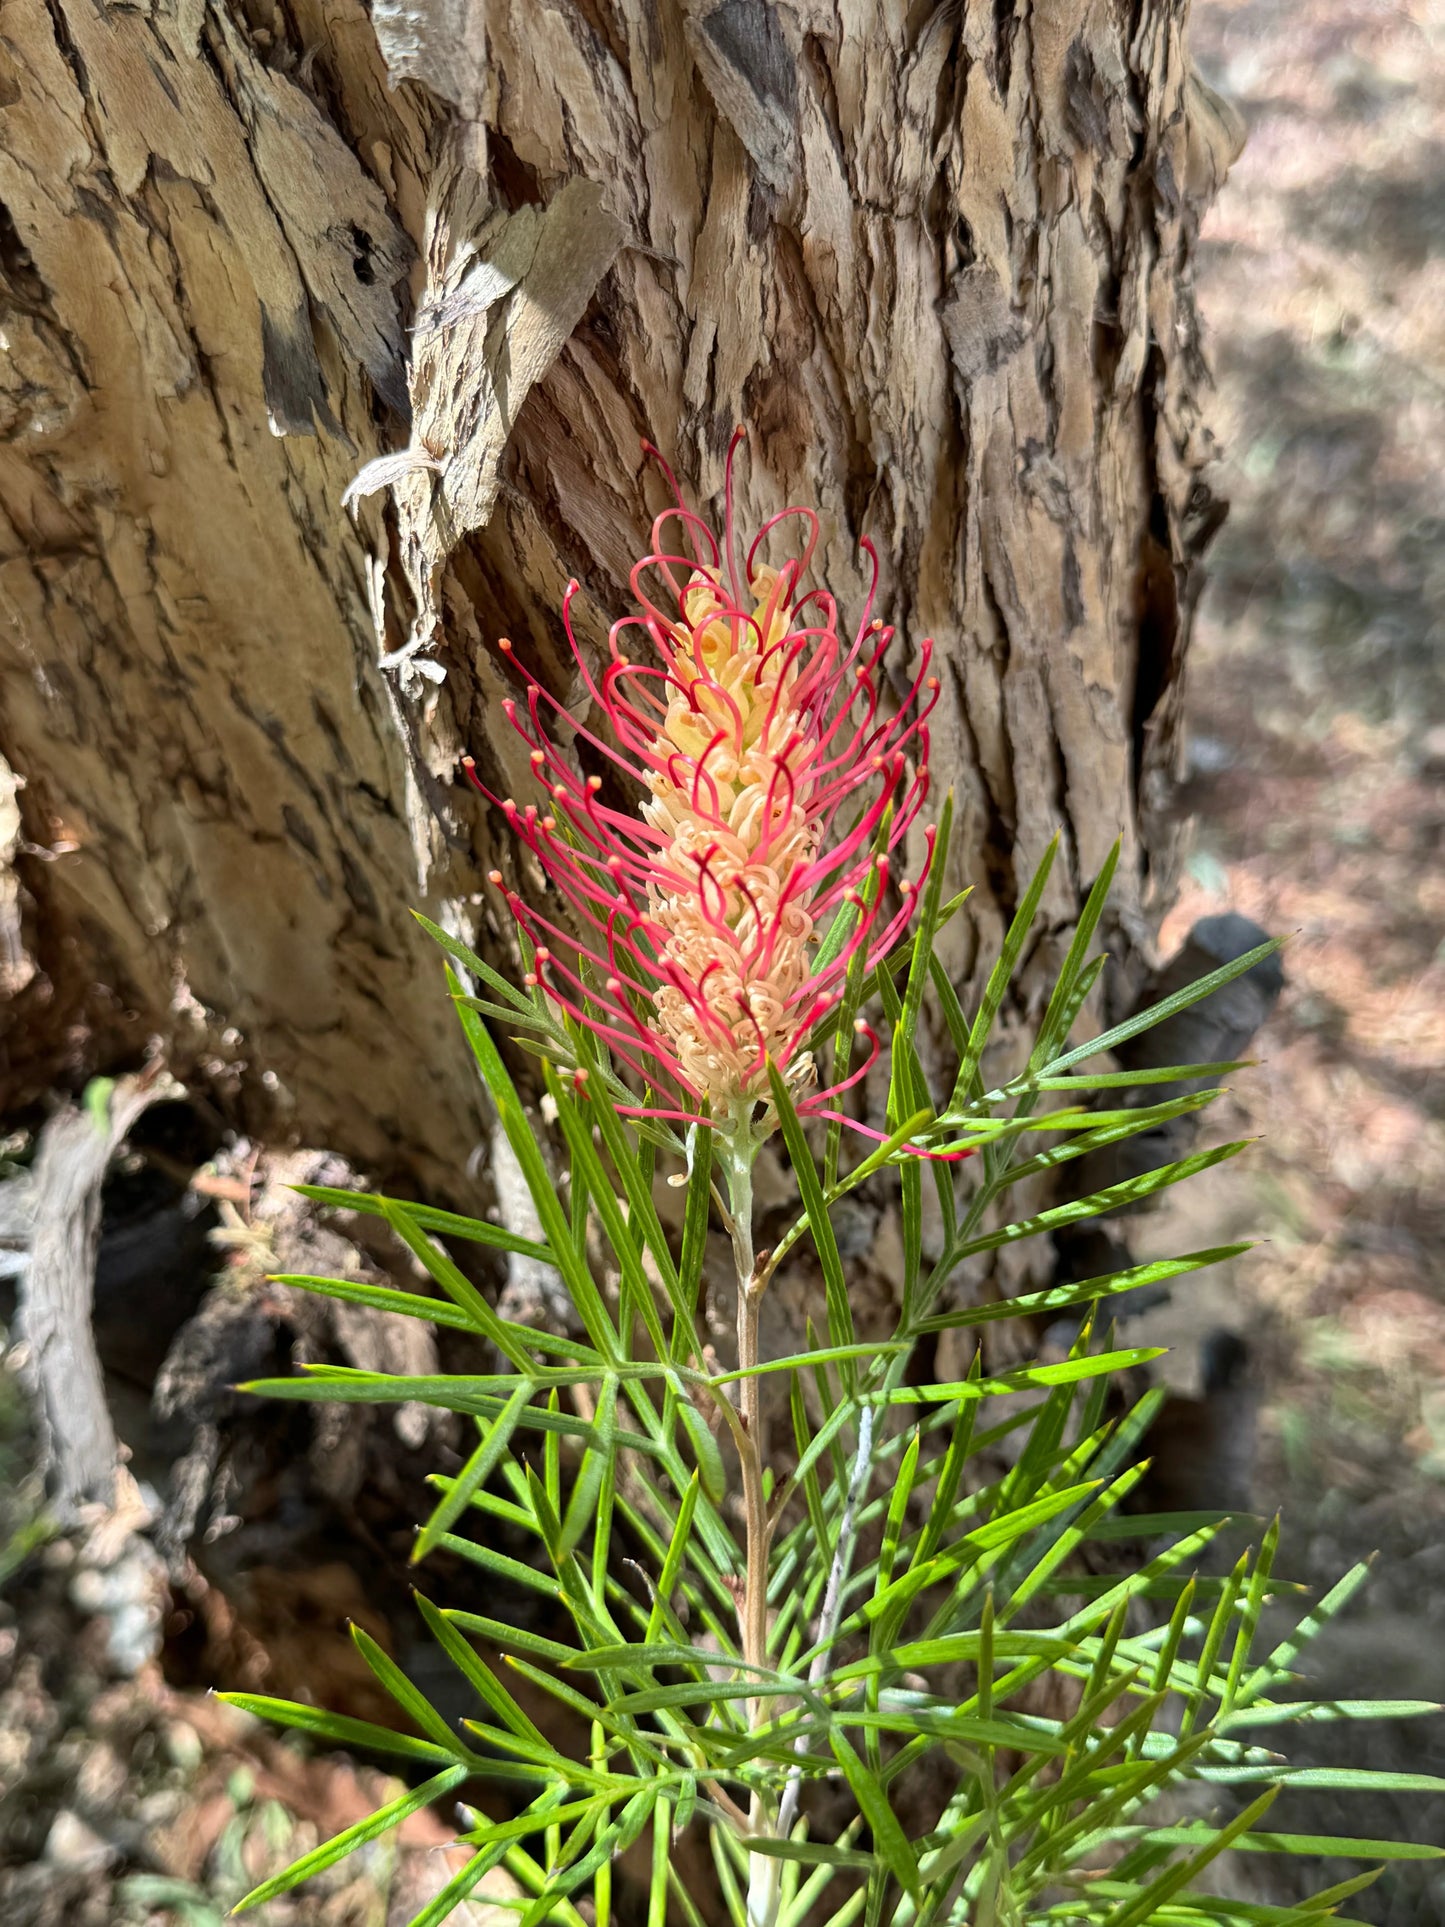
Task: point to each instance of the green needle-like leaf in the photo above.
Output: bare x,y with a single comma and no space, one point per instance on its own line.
337,1848
539,1182
496,1437
410,1304
1183,999
889,1839
456,1285
1325,1845
596,1461
450,1224
710,1468
840,1312
414,1704
1065,1000
1145,1907
478,1673
340,1730
1001,976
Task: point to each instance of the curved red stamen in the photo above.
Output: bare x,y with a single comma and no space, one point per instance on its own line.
695,919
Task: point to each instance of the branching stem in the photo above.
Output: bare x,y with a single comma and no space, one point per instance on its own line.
832,1601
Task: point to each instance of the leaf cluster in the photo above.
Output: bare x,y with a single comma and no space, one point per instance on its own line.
919,1596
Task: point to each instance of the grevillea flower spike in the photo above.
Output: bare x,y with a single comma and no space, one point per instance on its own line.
688,934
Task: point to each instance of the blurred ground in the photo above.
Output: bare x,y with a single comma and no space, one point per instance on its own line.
1317,758
131,1804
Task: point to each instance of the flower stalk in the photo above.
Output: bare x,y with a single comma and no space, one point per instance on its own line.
739,1148
738,1151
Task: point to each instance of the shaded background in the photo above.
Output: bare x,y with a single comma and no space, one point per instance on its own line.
1317,747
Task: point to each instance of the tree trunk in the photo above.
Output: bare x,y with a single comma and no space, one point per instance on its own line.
937,259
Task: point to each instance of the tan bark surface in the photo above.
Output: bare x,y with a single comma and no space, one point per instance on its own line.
937,259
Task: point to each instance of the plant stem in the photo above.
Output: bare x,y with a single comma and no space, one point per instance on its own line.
764,1871
832,1600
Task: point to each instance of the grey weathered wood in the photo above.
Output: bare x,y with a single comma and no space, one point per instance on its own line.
79,1450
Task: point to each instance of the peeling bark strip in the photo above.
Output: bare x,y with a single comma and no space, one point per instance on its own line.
938,260
494,315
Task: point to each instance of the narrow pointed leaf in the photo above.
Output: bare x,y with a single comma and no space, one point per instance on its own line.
475,1473
340,1730
450,1224
840,1312
341,1844
1167,1007
889,1840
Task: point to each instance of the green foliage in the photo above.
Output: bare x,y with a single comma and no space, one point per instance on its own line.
917,1596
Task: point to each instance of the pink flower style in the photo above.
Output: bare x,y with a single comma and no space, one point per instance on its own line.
775,791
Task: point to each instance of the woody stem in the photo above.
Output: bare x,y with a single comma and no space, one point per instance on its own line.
753,1605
